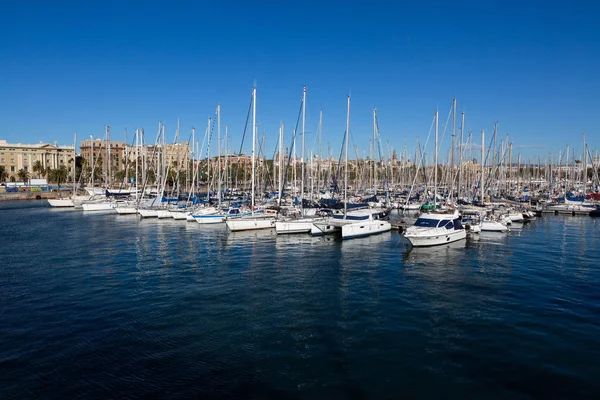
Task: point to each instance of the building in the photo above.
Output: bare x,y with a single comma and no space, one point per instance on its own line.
95,152
15,157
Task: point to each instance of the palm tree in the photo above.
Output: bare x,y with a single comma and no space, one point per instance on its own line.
38,168
58,175
3,173
23,175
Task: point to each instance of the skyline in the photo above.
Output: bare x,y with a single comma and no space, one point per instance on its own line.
79,67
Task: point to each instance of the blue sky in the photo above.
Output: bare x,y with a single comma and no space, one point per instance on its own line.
76,66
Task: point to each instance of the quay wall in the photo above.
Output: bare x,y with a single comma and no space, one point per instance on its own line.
29,196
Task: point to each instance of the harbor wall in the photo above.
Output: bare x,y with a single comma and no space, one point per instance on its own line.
27,195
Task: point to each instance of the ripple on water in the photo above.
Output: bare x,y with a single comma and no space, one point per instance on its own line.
107,306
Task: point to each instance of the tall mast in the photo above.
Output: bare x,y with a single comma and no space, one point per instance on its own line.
320,153
346,160
584,172
435,163
193,160
452,151
481,186
253,142
208,162
280,186
137,161
462,132
219,152
107,161
375,150
302,161
74,159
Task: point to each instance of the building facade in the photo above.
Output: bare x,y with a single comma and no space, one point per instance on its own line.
15,157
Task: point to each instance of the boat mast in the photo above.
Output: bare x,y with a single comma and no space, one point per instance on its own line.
452,151
137,162
460,167
208,161
302,155
253,142
374,151
435,162
107,161
74,161
219,152
320,152
346,160
280,186
481,185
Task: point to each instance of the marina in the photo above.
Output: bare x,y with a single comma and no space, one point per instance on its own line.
299,200
194,309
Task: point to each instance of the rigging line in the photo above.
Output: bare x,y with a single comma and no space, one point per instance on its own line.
422,155
246,124
287,166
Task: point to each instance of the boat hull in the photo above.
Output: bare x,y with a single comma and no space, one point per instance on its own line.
492,226
323,228
61,202
209,219
437,238
126,210
365,228
147,213
237,225
291,227
98,207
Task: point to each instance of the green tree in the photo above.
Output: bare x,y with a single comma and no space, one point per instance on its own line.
38,168
23,175
58,175
3,173
120,176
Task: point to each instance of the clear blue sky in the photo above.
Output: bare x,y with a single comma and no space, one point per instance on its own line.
75,66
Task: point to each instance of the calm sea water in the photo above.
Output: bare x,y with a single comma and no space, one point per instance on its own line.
109,306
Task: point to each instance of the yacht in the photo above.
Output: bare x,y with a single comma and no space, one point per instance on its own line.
436,228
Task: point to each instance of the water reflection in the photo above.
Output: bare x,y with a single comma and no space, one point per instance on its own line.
434,256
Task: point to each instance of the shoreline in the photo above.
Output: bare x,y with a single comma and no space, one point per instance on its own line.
30,196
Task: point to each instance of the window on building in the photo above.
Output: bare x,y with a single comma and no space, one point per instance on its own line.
12,168
25,167
12,160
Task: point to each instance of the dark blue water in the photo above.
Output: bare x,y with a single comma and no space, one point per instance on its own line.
109,306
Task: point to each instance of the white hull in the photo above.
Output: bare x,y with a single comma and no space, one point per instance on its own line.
492,226
61,202
323,228
148,213
436,237
516,217
164,214
98,207
365,228
126,210
180,215
209,219
294,226
243,224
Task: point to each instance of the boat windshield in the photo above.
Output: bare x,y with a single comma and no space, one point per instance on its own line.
427,223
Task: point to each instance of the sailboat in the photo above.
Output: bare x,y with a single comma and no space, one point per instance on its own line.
66,202
356,223
256,220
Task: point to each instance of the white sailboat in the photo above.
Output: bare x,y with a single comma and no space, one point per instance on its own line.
254,221
355,223
68,202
